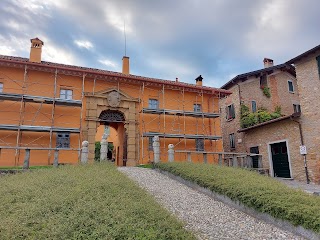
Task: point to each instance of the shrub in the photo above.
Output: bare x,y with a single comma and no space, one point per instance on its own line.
82,202
266,92
262,193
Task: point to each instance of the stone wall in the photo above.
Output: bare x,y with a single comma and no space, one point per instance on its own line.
285,130
309,86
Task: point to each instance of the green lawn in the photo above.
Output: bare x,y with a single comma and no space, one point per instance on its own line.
81,202
262,193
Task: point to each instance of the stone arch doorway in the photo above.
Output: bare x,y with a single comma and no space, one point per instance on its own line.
116,120
119,110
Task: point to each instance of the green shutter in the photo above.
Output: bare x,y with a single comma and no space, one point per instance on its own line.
233,112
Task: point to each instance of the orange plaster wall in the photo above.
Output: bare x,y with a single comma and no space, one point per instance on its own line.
42,84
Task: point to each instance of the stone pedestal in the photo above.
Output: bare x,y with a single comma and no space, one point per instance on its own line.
84,152
170,153
156,149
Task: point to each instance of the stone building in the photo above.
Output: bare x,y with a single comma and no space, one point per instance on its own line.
307,67
260,117
48,107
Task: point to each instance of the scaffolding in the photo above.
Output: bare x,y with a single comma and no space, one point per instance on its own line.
172,119
29,96
37,101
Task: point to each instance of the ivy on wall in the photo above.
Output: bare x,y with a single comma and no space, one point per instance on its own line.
249,119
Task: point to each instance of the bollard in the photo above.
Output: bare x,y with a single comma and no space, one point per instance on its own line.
156,149
220,159
170,153
26,159
189,157
84,152
56,158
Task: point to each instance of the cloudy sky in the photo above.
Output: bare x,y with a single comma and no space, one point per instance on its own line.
165,39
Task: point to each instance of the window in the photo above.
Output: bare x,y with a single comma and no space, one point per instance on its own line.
1,87
63,140
263,81
66,94
290,86
230,112
296,108
150,144
253,106
199,145
197,107
232,141
153,103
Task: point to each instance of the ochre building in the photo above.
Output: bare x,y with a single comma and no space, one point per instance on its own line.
52,108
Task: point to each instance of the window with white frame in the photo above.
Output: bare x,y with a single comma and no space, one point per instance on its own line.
290,86
63,140
1,87
199,145
153,103
296,108
318,61
232,141
197,107
230,113
253,106
66,94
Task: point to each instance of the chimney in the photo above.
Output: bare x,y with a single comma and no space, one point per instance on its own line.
177,79
35,51
267,62
125,65
199,80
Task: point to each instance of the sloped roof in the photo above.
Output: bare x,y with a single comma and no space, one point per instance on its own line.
12,59
305,54
268,70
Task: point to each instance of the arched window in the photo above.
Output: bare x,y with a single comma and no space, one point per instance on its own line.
111,116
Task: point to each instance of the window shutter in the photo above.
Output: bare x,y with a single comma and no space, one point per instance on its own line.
227,113
232,111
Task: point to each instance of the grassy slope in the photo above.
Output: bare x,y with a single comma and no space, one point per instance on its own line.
81,202
253,190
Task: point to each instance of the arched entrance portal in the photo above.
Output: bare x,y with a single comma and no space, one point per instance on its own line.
119,110
116,120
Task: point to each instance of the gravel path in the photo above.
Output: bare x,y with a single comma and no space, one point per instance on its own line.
209,218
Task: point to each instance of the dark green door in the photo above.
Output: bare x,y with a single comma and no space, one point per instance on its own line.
280,160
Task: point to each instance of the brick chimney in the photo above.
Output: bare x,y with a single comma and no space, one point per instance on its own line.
125,65
199,80
35,51
267,62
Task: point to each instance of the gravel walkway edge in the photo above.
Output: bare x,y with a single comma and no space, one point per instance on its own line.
282,224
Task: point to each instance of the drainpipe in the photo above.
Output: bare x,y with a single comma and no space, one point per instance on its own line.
304,155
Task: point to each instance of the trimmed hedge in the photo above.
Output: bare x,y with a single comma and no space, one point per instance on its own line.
262,193
82,202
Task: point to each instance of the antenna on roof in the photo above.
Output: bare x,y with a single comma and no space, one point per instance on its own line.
125,37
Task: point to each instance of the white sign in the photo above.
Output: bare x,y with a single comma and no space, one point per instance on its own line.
303,150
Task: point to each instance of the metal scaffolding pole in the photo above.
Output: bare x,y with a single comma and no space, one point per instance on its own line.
53,112
81,113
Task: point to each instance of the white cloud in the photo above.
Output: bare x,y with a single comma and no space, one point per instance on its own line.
109,63
58,55
84,44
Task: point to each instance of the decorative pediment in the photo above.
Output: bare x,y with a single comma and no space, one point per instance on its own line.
113,95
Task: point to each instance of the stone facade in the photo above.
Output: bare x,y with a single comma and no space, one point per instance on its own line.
309,86
281,131
246,88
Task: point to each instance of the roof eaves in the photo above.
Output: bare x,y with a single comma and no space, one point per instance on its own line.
297,58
